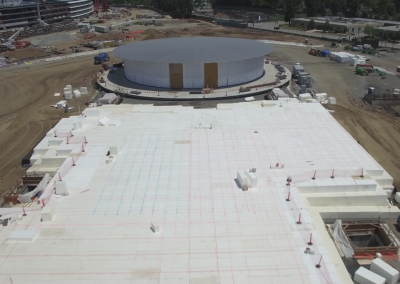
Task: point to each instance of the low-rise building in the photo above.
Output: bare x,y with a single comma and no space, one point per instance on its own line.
388,31
340,25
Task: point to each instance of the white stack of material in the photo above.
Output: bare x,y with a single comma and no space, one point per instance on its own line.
397,197
361,61
68,92
354,61
61,104
364,276
104,121
332,100
342,58
321,97
83,90
77,94
303,97
279,93
383,269
107,98
68,95
47,214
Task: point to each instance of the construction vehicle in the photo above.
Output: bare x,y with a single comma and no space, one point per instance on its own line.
381,73
335,45
9,42
315,52
365,66
93,44
88,36
102,57
361,71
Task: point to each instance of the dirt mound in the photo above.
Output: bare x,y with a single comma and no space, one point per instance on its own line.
171,33
222,16
207,33
26,53
157,36
151,32
185,29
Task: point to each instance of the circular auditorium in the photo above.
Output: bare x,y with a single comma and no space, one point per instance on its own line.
193,62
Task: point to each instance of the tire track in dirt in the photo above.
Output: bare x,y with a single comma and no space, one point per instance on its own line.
27,147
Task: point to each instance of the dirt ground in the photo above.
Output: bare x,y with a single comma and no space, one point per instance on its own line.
27,116
25,112
169,28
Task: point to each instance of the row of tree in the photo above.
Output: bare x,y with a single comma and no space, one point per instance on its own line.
380,9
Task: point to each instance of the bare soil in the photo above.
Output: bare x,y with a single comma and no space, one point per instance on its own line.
26,114
26,53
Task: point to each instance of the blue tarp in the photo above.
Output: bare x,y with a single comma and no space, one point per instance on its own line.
325,52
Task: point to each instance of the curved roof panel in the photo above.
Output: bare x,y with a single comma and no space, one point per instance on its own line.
193,50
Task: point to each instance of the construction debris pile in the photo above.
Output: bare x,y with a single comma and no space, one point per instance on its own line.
50,49
155,34
65,25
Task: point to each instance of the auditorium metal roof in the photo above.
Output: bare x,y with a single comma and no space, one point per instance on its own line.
193,50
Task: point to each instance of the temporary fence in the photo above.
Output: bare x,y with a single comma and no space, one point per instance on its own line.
306,234
325,173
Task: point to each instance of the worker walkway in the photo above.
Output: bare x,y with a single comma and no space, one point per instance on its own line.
117,83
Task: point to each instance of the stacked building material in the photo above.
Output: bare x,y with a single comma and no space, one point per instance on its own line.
83,90
68,92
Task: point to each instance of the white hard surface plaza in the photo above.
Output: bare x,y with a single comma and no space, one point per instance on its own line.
164,206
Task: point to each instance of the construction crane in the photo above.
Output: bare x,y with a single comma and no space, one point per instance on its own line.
43,23
104,6
9,42
1,24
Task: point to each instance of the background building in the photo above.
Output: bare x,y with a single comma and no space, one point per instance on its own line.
20,14
340,25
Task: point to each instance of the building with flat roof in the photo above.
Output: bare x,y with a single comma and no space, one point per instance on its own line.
388,31
337,25
172,194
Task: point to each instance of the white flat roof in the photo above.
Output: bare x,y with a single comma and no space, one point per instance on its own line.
176,168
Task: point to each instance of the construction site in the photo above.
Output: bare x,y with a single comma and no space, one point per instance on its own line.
145,149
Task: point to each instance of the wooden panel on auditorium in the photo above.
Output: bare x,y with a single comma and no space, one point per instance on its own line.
211,75
176,75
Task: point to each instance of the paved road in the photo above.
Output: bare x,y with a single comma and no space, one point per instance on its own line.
269,26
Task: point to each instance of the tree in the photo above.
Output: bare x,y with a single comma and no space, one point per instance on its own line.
327,26
311,25
369,31
290,11
311,7
338,6
177,8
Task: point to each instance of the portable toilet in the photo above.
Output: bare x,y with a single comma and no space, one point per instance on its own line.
371,90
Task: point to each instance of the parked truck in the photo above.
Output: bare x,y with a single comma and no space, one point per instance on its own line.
102,57
101,29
